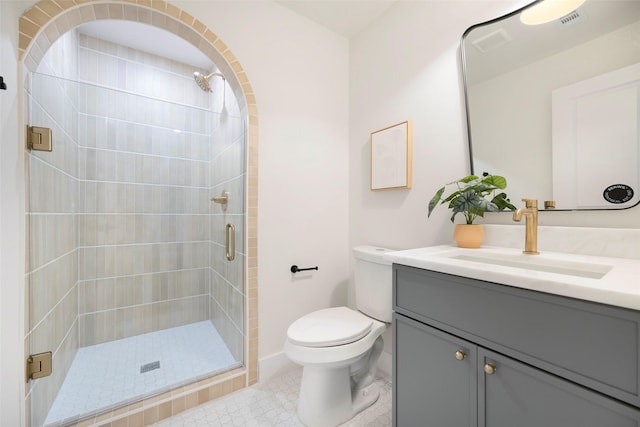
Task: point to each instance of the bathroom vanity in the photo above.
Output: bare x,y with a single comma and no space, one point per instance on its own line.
471,351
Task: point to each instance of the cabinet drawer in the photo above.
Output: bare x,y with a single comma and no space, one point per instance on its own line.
592,344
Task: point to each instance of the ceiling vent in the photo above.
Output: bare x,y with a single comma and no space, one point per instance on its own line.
491,41
570,18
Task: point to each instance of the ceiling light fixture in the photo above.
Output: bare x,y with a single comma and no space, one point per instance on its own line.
548,10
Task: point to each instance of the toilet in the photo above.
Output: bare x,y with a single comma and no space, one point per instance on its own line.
339,347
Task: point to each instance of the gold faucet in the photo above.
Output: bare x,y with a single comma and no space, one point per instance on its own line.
530,212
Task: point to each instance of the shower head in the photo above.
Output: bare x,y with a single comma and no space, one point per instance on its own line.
203,81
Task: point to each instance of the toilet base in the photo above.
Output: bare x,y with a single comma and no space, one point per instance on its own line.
329,402
365,398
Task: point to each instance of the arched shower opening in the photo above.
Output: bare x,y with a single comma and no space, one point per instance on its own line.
131,275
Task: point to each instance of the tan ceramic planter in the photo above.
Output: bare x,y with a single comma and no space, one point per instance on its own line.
468,235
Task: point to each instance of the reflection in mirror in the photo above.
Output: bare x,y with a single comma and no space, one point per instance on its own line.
555,107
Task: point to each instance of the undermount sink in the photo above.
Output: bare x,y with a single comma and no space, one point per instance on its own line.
537,263
606,280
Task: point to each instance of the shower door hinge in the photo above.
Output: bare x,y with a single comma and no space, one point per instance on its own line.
39,365
39,138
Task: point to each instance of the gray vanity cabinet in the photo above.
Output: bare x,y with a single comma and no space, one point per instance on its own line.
473,353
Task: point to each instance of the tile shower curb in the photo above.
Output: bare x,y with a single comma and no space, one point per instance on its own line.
164,405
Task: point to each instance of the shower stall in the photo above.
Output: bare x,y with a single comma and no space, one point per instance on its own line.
135,276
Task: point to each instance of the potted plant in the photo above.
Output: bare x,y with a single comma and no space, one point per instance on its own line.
472,196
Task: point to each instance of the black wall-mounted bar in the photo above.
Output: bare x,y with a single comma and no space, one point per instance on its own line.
295,269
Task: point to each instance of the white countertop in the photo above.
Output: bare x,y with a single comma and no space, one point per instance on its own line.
575,276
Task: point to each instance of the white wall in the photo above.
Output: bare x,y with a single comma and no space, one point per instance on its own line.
11,222
405,67
299,72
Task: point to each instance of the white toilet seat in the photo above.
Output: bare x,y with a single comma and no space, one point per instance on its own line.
329,327
302,354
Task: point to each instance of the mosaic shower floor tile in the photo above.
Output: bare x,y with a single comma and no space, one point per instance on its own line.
107,374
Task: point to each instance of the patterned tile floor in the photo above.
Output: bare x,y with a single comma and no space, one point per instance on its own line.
106,374
272,404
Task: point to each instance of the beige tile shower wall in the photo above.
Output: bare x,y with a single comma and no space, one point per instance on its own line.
228,293
53,190
144,193
61,59
139,72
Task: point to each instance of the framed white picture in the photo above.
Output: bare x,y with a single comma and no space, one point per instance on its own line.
391,157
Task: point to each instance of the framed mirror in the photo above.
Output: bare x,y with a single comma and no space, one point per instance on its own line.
555,107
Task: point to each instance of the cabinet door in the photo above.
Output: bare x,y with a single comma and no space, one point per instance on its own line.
515,394
434,377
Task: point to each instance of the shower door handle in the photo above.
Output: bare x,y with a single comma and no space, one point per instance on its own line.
230,242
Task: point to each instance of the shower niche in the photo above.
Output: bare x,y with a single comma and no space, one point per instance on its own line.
129,284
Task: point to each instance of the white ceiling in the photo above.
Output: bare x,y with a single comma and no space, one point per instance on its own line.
147,38
348,18
345,17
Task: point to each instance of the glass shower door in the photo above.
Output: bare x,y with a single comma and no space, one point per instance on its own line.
129,285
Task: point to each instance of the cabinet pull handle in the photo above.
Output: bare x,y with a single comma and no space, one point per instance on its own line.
460,355
490,369
230,242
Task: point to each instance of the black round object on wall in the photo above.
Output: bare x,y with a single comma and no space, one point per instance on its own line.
618,193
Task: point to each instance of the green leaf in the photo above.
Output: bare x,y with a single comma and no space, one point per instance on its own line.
502,202
487,206
467,200
466,179
453,195
434,201
482,189
496,181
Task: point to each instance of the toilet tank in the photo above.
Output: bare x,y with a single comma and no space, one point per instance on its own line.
373,283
